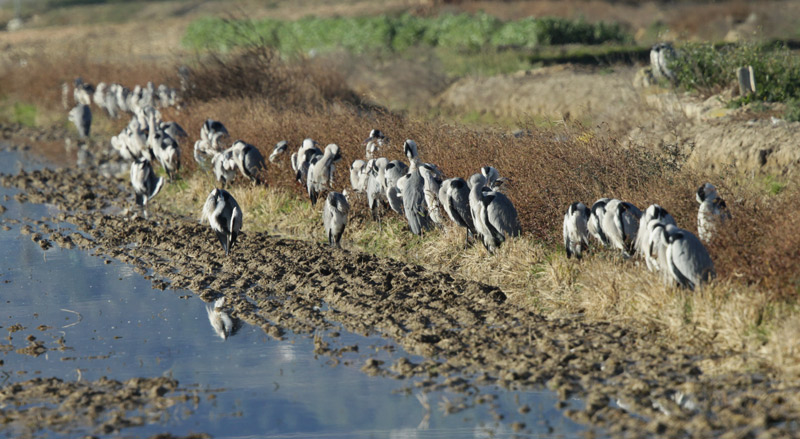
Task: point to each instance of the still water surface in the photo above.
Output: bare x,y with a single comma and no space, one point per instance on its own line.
116,325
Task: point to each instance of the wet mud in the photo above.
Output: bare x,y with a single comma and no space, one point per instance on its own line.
617,378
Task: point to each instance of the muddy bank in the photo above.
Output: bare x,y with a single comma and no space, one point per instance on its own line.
627,381
103,406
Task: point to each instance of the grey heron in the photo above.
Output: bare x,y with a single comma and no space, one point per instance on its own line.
493,179
412,191
688,261
374,186
661,55
653,212
320,173
164,147
83,92
576,230
81,116
374,143
219,318
334,217
211,126
712,212
656,248
620,225
498,217
308,150
224,167
595,224
454,198
432,183
224,216
207,148
279,149
249,160
174,130
358,176
145,183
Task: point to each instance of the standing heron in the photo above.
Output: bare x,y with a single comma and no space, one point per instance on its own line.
249,160
656,249
374,143
224,167
431,191
454,198
496,216
145,183
224,216
358,176
654,212
493,179
595,224
308,150
334,217
320,172
211,126
81,116
688,261
576,231
620,225
712,212
205,149
413,193
163,145
83,92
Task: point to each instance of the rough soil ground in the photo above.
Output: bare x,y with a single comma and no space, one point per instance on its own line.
628,382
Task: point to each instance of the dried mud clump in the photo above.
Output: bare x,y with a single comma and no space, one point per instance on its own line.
103,406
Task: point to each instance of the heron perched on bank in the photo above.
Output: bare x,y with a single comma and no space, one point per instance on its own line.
374,143
219,318
83,92
206,149
320,172
494,215
412,191
211,126
224,167
653,212
712,212
454,198
595,224
146,184
620,225
302,159
334,217
249,160
81,116
224,216
358,176
688,261
493,179
576,231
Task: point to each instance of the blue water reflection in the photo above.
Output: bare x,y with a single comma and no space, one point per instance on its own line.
114,324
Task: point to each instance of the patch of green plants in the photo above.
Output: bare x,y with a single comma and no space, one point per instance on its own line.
24,114
708,68
462,32
773,186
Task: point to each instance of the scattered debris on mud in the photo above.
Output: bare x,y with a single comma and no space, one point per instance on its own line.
628,381
103,406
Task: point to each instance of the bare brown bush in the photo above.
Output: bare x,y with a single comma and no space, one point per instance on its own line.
259,71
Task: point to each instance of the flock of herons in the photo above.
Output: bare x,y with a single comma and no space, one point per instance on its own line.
416,190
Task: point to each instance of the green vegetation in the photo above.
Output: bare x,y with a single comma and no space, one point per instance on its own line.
24,114
708,68
397,33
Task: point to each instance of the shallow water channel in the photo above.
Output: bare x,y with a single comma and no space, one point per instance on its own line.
114,324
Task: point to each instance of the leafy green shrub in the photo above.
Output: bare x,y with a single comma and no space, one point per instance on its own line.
451,31
24,114
708,68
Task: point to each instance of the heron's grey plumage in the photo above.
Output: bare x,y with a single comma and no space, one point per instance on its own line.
412,191
220,320
174,130
206,149
334,217
374,143
620,225
656,248
249,160
224,167
712,211
224,216
653,212
358,176
319,173
279,149
211,126
576,231
494,216
431,191
308,150
661,55
595,224
688,261
454,198
146,184
81,116
83,92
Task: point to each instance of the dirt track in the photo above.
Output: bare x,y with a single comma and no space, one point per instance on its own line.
465,330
